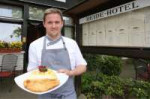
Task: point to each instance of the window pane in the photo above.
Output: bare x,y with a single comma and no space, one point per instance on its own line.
68,21
10,11
10,32
68,32
36,13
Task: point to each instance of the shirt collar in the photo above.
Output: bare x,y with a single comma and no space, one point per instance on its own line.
49,39
51,42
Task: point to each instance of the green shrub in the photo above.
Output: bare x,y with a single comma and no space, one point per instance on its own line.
138,88
93,62
87,85
109,65
112,65
94,85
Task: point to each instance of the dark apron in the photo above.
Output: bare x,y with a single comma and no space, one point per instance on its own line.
58,59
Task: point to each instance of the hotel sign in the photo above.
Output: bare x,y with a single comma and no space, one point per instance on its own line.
116,10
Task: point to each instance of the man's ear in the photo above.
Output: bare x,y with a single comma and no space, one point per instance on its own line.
43,24
62,24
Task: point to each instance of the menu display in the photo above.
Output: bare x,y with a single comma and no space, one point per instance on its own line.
131,29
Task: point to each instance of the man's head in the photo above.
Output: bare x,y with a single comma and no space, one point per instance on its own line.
51,11
53,22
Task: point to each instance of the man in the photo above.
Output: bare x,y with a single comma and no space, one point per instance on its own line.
58,53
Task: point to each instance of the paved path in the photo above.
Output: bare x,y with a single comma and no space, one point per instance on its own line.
18,93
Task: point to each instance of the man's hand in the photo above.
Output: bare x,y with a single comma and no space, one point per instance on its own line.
77,71
68,72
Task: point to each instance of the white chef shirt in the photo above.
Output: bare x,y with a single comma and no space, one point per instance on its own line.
35,52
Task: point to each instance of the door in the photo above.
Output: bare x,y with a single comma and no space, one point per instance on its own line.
34,31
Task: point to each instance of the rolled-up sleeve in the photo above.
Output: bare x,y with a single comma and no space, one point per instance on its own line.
32,58
79,60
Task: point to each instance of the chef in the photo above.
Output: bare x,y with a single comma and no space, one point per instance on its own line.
57,52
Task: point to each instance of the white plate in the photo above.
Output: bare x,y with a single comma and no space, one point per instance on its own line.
21,78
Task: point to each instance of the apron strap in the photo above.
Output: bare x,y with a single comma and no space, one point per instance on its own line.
51,43
63,43
44,43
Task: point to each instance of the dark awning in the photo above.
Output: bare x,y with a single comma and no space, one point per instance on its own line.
87,5
84,6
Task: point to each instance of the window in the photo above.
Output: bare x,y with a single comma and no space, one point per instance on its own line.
36,13
68,29
10,32
7,11
68,32
68,21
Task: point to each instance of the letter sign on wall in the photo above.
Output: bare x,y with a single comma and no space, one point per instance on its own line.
116,10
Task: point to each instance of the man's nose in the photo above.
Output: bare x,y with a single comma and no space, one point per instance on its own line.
53,25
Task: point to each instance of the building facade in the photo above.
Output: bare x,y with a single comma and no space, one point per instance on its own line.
119,28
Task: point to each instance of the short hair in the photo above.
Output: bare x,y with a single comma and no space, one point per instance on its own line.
51,11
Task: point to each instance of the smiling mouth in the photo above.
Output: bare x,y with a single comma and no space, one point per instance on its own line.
53,30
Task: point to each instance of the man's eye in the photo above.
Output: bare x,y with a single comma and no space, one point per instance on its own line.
49,22
57,22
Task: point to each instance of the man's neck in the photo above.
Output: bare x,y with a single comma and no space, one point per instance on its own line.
53,38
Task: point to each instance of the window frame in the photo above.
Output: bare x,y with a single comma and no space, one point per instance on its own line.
11,20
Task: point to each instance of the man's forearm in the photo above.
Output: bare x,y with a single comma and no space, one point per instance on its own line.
77,71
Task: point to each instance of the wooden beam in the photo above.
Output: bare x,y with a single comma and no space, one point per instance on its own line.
119,51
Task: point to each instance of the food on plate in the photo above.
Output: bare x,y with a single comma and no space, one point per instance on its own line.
42,79
40,85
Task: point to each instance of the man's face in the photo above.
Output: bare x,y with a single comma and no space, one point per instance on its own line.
53,25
